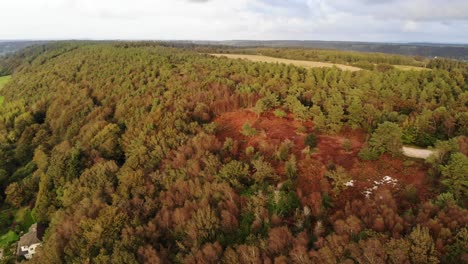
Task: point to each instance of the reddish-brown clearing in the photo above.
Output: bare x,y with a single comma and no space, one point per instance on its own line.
330,151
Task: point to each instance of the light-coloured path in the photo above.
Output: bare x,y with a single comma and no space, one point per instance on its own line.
300,63
417,153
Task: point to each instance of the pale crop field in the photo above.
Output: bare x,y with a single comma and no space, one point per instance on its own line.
300,63
410,68
305,64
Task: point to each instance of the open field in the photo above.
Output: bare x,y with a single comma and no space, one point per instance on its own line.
300,63
8,238
4,80
306,64
409,68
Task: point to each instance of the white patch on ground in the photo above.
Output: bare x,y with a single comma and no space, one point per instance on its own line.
387,180
350,183
307,210
417,153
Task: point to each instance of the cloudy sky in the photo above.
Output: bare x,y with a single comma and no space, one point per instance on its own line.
357,20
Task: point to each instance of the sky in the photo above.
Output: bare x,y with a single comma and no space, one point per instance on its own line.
441,21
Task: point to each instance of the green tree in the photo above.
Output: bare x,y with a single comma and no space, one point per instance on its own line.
334,118
15,195
263,171
291,167
355,116
280,113
422,249
387,138
455,175
296,107
340,177
248,130
267,103
311,140
334,106
236,173
107,141
320,121
456,251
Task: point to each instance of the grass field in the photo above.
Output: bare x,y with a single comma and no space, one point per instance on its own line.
8,238
306,64
4,80
300,63
409,68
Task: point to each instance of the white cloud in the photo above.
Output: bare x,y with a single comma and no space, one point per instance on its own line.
410,26
362,20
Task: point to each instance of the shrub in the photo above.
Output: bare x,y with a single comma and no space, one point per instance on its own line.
280,113
327,201
282,203
368,154
210,128
249,150
340,177
291,167
228,144
236,173
364,65
425,140
266,103
248,130
347,145
383,67
311,141
263,171
283,151
301,129
411,194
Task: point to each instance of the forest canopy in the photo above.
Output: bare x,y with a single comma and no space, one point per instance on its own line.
139,152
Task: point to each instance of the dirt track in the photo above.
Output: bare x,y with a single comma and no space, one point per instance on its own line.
417,153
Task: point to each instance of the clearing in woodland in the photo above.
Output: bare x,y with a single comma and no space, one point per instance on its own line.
305,64
331,151
300,63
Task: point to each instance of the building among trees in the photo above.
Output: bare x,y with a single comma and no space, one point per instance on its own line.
29,242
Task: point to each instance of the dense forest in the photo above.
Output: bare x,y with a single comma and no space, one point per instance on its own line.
146,152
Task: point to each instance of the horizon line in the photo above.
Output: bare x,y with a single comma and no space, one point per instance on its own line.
227,40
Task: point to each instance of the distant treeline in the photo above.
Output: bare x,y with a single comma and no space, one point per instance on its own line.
7,47
431,50
368,61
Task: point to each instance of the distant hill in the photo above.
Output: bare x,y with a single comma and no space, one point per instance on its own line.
12,46
452,51
430,50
